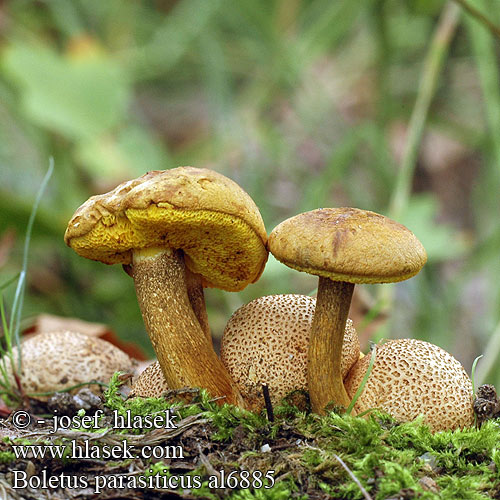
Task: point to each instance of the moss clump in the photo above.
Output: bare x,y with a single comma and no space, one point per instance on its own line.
334,455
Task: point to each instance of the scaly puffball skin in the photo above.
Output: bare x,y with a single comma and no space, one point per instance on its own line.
266,341
412,377
53,361
150,383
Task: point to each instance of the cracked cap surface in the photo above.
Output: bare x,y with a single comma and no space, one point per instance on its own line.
348,244
212,219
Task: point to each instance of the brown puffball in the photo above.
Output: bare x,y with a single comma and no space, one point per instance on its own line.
412,377
150,383
54,361
266,341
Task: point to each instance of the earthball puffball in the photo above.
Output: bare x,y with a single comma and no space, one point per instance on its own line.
150,383
266,342
412,377
53,361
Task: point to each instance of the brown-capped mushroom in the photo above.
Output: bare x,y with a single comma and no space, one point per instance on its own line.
411,377
53,361
343,246
159,224
266,342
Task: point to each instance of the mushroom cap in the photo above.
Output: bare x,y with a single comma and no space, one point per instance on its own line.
348,244
54,361
412,377
207,215
267,340
150,383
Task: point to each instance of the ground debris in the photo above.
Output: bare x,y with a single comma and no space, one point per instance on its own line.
214,452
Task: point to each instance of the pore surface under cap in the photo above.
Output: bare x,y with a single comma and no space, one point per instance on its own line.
202,212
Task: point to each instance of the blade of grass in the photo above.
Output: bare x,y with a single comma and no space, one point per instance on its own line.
487,65
17,305
473,375
490,358
3,371
433,65
4,285
172,39
324,23
361,387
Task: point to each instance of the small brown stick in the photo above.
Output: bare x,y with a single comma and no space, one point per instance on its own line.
354,478
206,463
267,401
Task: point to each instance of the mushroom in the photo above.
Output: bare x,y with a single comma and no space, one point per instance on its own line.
411,377
343,246
266,342
160,224
53,361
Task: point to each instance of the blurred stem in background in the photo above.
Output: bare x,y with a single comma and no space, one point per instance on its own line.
433,65
482,33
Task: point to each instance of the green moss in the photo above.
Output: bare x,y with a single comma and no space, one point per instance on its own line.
280,491
7,456
385,457
224,418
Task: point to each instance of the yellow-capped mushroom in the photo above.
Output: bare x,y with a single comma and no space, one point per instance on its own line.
160,224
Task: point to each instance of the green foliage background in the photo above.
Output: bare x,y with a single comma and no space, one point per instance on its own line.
305,103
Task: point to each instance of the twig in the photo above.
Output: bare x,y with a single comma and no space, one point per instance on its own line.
206,463
354,478
495,30
267,401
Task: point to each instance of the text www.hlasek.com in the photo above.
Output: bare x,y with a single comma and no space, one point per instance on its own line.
96,452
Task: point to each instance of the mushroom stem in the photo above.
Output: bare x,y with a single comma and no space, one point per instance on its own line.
196,297
184,352
325,346
197,300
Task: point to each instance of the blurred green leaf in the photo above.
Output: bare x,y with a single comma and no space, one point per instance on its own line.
78,96
131,152
440,241
173,37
